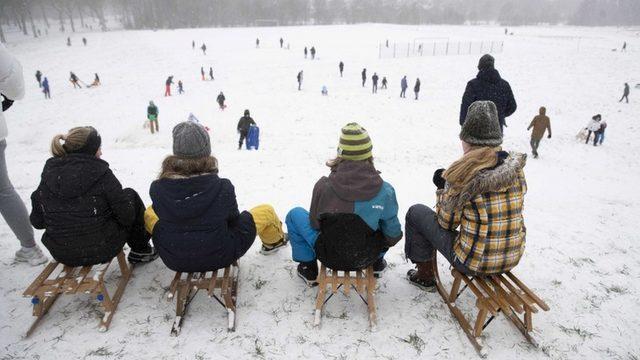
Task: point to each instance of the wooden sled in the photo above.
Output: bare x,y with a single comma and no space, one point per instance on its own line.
364,283
77,280
185,286
503,293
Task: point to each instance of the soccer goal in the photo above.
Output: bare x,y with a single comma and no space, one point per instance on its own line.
267,22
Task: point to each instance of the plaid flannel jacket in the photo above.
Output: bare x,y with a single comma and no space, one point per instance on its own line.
492,233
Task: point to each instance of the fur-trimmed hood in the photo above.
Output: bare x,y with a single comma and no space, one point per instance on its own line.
490,180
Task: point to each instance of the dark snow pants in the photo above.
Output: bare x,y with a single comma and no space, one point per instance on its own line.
534,146
625,96
423,235
138,237
243,135
403,92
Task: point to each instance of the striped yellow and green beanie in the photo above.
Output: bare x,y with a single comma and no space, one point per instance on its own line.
355,143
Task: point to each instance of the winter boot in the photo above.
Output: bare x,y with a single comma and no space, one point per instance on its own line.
308,271
423,276
379,267
144,255
272,249
32,255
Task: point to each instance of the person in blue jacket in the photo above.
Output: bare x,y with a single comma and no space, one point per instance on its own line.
194,220
354,186
45,88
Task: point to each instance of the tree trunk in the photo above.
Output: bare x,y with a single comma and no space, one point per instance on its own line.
81,16
70,14
33,25
2,39
23,23
44,15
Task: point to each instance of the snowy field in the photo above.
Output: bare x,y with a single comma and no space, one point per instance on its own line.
583,250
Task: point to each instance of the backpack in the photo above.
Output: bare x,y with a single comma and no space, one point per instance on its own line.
347,243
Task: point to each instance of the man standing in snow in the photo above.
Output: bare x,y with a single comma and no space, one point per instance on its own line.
243,127
624,47
403,87
193,44
84,41
204,48
374,79
167,89
341,67
488,85
257,43
384,82
220,99
416,87
12,208
210,73
299,77
45,88
305,52
39,78
281,43
313,52
364,76
540,124
625,94
152,116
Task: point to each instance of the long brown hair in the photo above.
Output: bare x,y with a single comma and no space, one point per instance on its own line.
463,170
178,167
333,163
75,139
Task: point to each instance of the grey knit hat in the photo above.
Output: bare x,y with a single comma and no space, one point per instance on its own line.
481,126
191,140
486,62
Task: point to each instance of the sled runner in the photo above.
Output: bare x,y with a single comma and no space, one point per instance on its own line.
253,138
362,281
185,286
503,293
77,280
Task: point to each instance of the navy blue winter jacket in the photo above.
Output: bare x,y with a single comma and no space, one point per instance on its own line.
488,85
199,226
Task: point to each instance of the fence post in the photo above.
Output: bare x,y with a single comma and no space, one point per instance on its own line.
470,43
459,42
379,50
491,51
394,50
481,46
501,46
434,48
447,51
408,49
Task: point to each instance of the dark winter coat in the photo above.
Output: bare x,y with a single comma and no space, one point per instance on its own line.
626,89
403,84
341,66
374,78
245,123
169,81
488,85
83,209
416,87
45,85
199,227
38,75
152,110
220,99
364,74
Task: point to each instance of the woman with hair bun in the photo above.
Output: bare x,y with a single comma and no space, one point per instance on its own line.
86,214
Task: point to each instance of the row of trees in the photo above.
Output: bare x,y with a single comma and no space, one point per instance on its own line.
34,17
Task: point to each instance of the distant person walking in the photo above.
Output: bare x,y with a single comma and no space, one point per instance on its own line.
204,48
193,44
384,82
488,85
281,42
84,41
180,89
68,41
313,52
45,88
220,99
257,43
341,67
167,88
39,78
624,47
299,77
403,87
305,52
374,80
625,94
243,127
202,73
364,76
416,88
152,116
74,80
210,73
540,124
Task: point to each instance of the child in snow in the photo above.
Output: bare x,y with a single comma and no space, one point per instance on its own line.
299,78
403,87
243,127
194,219
220,99
180,89
384,82
152,116
45,88
167,89
540,124
354,187
374,80
96,81
86,214
74,80
592,127
477,224
325,91
600,133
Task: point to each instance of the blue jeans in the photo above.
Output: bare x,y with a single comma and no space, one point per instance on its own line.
599,138
301,235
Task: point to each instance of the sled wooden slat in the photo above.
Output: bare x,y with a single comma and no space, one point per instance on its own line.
502,293
188,286
44,291
364,286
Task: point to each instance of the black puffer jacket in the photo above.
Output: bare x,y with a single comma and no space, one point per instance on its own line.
199,227
83,209
488,85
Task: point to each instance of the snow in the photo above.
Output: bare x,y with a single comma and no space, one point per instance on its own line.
582,251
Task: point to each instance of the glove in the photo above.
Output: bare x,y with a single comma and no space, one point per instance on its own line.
438,180
549,137
6,103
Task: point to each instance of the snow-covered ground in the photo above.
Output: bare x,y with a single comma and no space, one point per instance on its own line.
583,252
